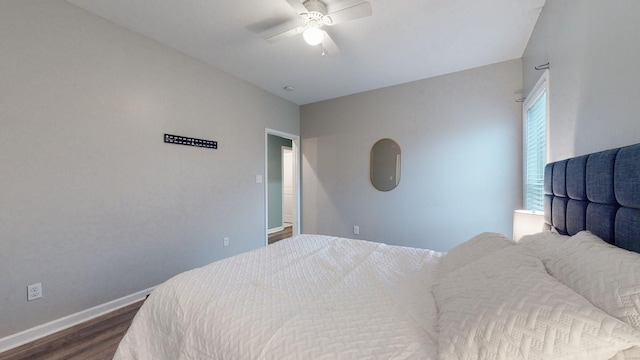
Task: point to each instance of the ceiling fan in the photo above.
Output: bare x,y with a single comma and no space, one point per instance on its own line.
314,16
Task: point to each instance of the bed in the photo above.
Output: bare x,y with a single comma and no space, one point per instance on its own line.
569,292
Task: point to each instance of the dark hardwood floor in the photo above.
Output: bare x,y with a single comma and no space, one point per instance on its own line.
287,232
96,339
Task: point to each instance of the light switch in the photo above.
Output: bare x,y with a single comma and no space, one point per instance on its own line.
258,179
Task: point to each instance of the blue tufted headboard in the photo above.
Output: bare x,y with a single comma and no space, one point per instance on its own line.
599,192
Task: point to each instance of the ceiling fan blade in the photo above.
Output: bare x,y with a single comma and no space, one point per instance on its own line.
329,47
284,30
351,13
283,34
298,7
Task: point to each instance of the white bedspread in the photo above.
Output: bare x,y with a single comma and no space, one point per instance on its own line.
310,297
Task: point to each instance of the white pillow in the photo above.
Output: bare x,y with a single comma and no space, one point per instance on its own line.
473,249
544,244
606,275
505,306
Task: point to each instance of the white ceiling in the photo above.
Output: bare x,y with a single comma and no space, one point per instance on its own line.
403,41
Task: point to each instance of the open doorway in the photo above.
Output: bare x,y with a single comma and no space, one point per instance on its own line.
282,185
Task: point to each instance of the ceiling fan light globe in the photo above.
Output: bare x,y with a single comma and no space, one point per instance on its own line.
313,36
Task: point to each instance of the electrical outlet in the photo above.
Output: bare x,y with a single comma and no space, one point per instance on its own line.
34,291
356,230
225,242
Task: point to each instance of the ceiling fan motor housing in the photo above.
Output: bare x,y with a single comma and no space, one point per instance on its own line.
315,5
317,12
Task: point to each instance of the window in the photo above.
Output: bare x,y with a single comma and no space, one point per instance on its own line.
535,115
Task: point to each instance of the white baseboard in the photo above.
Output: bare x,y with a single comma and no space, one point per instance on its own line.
35,333
275,229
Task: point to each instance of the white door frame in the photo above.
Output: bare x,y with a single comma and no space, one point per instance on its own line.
284,151
295,147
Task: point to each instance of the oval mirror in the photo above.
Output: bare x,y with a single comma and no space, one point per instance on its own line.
385,164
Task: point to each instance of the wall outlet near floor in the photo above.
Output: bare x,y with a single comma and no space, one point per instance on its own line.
225,241
34,291
356,230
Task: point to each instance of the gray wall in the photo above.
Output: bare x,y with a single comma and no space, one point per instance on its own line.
460,136
274,172
593,47
94,205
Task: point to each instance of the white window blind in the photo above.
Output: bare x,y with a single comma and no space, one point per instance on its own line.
535,146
